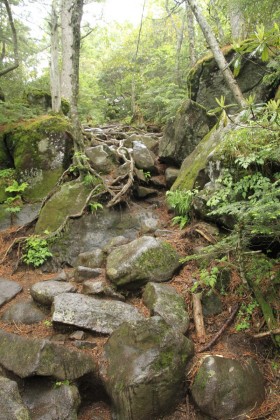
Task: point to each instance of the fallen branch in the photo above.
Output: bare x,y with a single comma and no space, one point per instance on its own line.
267,333
220,332
198,317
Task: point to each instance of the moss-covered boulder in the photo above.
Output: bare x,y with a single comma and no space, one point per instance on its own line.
226,388
206,81
151,378
142,260
11,404
183,133
163,300
69,200
39,150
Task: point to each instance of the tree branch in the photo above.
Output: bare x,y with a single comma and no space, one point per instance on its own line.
15,41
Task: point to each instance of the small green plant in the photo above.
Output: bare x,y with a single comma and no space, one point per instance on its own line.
35,251
93,207
208,278
245,315
181,202
147,175
14,202
58,384
47,323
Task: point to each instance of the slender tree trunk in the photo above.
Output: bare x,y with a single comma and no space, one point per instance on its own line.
15,41
67,42
191,35
54,70
217,53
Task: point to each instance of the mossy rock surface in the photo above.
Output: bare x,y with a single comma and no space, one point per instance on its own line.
40,150
150,381
69,200
142,260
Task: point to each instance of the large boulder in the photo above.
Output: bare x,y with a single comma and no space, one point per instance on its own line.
150,381
226,388
101,158
165,301
24,313
40,150
206,81
11,404
28,357
183,133
69,200
98,315
142,260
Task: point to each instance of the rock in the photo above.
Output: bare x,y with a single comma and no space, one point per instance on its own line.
102,158
171,176
100,287
151,381
70,199
194,170
143,158
206,81
91,259
149,141
226,388
51,401
143,192
45,291
163,300
115,242
183,134
142,260
84,273
96,230
8,290
98,315
211,304
11,404
41,150
28,357
62,276
23,313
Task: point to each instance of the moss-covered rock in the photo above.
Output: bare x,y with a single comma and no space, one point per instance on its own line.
181,135
69,200
225,388
150,380
40,150
142,260
206,81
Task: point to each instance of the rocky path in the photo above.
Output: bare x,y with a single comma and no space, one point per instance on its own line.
107,325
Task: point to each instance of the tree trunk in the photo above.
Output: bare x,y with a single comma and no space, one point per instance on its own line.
54,70
237,22
217,53
191,35
15,41
67,46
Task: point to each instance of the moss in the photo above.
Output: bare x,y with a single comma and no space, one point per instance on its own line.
37,192
153,256
165,360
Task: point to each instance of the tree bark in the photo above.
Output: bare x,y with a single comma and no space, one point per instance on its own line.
54,70
217,53
191,35
67,43
14,38
237,22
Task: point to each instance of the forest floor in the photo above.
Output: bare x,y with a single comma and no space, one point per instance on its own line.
230,344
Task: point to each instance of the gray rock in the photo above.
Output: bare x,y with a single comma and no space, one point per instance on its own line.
11,404
98,315
171,176
226,388
149,141
115,242
143,158
142,260
51,401
91,259
100,287
163,300
84,273
62,276
151,378
8,290
182,135
23,313
211,304
101,158
45,291
28,357
143,192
